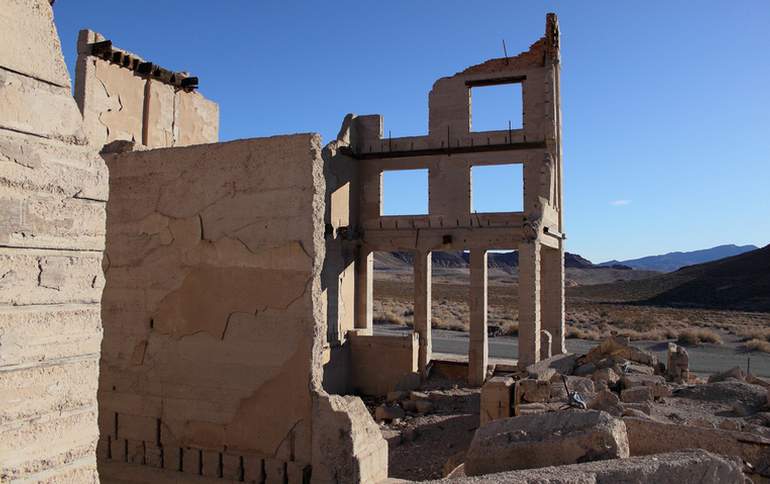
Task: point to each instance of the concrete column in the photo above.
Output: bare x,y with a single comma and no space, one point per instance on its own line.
552,296
422,309
364,290
478,352
529,302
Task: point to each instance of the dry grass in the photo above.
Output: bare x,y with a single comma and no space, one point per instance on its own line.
759,345
698,336
586,319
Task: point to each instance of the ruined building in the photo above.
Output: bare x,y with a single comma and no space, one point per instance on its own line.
209,314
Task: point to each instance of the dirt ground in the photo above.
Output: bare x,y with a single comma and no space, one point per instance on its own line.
586,318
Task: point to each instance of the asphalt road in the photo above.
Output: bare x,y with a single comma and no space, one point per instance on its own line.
704,359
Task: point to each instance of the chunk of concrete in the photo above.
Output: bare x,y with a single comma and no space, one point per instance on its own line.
656,382
733,373
496,399
607,401
532,391
542,440
636,394
647,437
688,466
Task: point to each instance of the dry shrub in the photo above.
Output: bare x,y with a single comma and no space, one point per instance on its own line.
389,317
448,325
697,336
760,345
580,333
762,334
509,328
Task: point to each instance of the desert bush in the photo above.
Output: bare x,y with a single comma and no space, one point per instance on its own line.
762,334
580,333
697,336
510,328
389,317
760,345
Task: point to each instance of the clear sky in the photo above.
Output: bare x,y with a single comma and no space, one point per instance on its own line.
665,103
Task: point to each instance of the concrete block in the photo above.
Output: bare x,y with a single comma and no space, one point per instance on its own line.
542,440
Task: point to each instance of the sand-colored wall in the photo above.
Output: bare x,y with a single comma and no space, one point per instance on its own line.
53,189
120,104
215,316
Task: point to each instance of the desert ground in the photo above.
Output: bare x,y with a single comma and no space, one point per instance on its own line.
716,338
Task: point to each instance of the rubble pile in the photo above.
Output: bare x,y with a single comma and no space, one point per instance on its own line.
614,402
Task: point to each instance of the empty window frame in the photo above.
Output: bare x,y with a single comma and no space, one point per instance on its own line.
497,107
405,192
497,188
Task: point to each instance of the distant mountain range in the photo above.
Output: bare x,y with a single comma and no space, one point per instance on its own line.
459,260
741,282
676,260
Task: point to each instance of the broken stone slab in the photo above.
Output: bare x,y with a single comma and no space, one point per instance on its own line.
733,373
745,397
423,406
388,413
541,440
544,369
656,382
682,467
644,407
618,347
532,391
646,436
607,375
496,399
607,401
636,394
582,385
678,368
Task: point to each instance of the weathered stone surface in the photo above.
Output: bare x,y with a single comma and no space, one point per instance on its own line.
497,399
728,391
52,217
647,437
678,366
39,108
606,375
348,445
546,439
689,466
545,369
656,383
532,391
735,373
638,394
606,401
30,44
388,413
584,386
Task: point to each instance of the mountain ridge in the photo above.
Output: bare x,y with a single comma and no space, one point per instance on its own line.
673,261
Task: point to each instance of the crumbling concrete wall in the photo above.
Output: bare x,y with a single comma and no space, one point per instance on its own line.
53,189
124,97
215,319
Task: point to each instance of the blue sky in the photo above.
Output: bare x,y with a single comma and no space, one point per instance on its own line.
665,103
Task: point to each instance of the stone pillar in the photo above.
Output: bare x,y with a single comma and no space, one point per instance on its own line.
478,352
364,290
552,297
422,309
529,302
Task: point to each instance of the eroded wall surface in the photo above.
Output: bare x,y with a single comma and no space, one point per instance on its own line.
215,319
53,189
121,101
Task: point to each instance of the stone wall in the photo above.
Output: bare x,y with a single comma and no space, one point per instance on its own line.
53,189
215,318
120,103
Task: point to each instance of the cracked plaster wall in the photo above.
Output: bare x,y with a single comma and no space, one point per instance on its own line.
53,192
213,309
118,104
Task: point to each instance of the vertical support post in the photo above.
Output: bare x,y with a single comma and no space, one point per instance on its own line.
478,353
422,309
529,302
364,287
552,300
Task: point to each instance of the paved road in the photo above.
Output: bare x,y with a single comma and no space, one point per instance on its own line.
705,359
